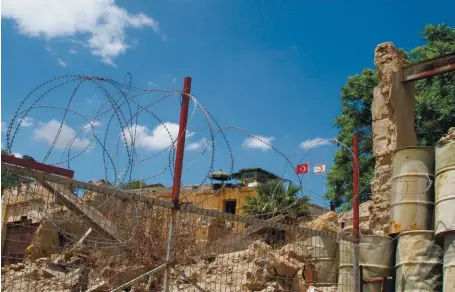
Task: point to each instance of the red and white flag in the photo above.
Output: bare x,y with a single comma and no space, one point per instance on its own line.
302,168
319,168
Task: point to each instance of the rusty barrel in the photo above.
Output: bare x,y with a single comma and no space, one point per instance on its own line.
449,262
418,262
323,260
412,199
445,187
376,258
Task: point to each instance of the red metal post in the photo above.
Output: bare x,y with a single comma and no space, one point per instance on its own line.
181,141
355,188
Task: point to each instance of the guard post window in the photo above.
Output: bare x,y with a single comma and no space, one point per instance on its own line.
230,206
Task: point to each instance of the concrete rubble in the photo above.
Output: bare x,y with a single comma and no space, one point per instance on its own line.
259,267
248,261
78,268
88,260
68,273
256,266
450,135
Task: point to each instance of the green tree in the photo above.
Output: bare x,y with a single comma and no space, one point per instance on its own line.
274,198
10,180
134,184
434,114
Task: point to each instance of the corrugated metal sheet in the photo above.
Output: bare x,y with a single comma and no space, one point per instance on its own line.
412,197
445,187
418,262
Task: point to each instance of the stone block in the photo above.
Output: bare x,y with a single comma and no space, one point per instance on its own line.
379,108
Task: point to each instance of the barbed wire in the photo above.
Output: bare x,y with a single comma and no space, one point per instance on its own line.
123,106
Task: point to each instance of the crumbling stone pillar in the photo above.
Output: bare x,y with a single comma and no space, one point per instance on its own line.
393,128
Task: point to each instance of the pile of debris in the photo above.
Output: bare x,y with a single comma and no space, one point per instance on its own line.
66,272
78,268
257,259
258,268
261,265
450,136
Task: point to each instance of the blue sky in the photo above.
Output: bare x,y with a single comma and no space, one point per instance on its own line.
272,68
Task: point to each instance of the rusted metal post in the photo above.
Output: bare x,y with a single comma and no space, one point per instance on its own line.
429,68
177,176
181,141
355,214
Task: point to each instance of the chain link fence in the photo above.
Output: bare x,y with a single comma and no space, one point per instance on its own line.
60,234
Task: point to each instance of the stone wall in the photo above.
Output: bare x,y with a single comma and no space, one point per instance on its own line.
393,128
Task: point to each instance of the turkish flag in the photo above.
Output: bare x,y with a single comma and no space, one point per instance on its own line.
302,168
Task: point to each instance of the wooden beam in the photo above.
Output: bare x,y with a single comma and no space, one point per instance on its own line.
75,204
429,68
37,166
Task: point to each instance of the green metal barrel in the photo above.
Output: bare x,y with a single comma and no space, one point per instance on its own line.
445,187
412,198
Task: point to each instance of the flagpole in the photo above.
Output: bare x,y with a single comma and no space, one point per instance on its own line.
308,173
323,177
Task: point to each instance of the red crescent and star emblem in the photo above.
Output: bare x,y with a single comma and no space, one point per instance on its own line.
302,168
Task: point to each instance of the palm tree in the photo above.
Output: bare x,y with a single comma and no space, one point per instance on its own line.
274,198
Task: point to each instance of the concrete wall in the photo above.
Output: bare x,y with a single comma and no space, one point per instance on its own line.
211,199
28,200
393,128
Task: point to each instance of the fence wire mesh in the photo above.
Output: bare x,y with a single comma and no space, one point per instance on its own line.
60,234
66,235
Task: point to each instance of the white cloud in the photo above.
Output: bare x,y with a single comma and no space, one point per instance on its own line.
72,51
18,155
101,23
313,143
157,139
90,125
48,48
47,132
27,122
201,144
61,63
258,142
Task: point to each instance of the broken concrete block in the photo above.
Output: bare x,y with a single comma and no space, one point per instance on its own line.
298,251
126,274
98,287
33,274
49,273
274,287
285,267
